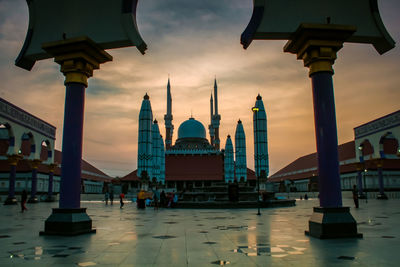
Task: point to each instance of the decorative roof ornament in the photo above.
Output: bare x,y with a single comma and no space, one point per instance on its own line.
113,25
279,20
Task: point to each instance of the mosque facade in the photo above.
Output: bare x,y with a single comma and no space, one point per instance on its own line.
29,160
194,160
371,162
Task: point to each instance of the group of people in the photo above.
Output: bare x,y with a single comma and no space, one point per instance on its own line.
110,196
305,197
157,199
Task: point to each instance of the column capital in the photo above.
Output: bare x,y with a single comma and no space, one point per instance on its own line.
379,163
359,166
35,163
13,159
317,45
78,57
52,167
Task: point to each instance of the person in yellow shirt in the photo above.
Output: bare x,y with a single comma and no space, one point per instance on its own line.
141,200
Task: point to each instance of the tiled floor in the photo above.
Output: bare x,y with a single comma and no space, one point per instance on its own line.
173,237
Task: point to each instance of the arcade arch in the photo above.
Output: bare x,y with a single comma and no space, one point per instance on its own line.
389,146
25,132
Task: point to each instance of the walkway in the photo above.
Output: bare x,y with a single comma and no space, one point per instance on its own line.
185,237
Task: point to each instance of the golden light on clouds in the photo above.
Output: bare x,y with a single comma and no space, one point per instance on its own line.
193,42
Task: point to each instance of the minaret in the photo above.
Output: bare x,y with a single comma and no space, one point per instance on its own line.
162,170
216,117
169,127
210,127
145,139
156,151
261,160
228,161
240,153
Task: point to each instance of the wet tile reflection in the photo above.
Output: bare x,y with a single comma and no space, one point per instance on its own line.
220,262
38,252
164,236
266,250
276,249
84,264
346,258
279,255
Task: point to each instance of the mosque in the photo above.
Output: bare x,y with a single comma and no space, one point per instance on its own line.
195,161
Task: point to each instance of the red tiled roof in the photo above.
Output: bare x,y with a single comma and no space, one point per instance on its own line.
86,166
306,166
130,177
24,166
251,175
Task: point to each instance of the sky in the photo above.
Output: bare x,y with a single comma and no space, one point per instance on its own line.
193,42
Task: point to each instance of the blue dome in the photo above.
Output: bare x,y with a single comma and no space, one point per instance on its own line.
191,129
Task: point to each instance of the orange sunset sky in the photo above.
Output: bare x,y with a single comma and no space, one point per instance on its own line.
195,41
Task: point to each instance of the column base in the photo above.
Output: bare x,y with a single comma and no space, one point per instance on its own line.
328,223
50,199
33,200
382,196
11,201
68,222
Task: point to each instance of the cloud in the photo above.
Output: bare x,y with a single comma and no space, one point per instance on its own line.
194,41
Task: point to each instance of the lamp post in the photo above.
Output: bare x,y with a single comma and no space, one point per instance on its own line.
255,111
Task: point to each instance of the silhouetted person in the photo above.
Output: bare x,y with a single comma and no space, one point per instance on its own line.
235,191
121,200
230,191
111,195
141,200
163,199
355,196
305,197
24,197
156,198
106,197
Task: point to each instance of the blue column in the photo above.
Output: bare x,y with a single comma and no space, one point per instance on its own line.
11,183
359,182
72,146
380,176
34,183
13,160
326,137
50,189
